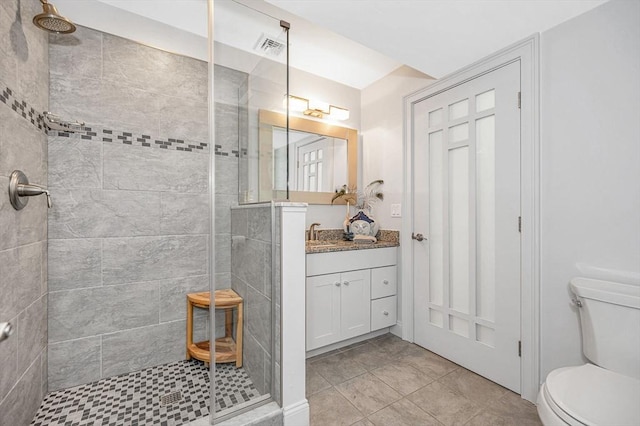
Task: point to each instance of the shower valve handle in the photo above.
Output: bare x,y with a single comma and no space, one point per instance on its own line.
6,330
20,189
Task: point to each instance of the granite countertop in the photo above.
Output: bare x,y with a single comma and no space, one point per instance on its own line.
330,240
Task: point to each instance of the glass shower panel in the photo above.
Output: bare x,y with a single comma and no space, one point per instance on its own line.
255,45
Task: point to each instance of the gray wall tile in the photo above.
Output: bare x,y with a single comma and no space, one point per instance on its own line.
247,262
173,296
9,362
150,169
21,280
259,224
23,147
32,333
153,258
75,263
184,213
93,213
223,280
128,108
122,60
253,362
226,174
74,163
227,126
259,317
44,366
24,69
223,212
88,312
139,348
21,404
223,253
227,82
74,362
76,55
181,116
240,222
76,98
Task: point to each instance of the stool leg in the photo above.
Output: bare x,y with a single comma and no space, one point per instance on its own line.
228,322
239,326
189,327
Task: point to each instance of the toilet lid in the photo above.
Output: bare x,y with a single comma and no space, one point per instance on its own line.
595,396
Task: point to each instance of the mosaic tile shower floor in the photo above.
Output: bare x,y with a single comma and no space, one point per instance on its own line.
135,398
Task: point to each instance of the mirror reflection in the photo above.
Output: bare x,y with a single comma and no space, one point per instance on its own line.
322,157
318,162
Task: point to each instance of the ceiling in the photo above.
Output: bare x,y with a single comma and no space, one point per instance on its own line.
353,42
436,37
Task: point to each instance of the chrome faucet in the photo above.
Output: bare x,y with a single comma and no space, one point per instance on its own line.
312,231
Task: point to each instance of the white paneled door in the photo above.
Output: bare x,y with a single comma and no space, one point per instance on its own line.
466,162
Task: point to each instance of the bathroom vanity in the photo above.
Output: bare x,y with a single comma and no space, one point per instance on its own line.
351,290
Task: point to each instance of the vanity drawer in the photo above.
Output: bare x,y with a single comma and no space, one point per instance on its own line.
383,312
383,282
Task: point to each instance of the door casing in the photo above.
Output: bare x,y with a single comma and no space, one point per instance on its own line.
527,51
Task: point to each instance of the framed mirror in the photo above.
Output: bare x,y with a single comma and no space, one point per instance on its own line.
323,157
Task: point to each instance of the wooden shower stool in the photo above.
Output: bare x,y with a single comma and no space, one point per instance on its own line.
227,349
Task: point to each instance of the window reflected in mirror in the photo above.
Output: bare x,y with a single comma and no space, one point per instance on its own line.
322,157
319,162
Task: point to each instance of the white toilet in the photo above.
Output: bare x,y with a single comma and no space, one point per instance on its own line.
607,392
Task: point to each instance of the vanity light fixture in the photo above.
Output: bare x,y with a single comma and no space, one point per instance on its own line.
316,108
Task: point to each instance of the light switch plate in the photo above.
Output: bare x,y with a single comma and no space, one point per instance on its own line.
396,210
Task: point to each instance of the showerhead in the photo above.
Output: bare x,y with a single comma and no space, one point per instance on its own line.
51,20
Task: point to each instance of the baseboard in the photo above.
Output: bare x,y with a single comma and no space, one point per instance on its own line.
396,330
296,414
347,342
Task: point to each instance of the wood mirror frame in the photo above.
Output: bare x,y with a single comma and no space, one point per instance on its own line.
268,120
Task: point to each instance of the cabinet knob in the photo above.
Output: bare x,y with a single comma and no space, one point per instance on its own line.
346,283
385,282
337,283
386,313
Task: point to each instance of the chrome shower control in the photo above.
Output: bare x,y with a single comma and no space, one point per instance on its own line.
6,330
20,189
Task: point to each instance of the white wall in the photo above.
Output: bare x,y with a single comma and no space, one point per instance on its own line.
382,127
589,164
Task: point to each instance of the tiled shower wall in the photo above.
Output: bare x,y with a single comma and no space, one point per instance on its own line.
251,278
24,89
128,234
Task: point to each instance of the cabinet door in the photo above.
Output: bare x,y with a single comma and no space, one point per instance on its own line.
355,310
323,310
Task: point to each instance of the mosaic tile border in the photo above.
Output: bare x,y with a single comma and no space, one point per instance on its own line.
21,107
101,134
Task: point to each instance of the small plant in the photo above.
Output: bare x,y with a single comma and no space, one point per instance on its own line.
363,200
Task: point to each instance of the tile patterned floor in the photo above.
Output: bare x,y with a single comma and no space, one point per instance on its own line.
386,381
135,398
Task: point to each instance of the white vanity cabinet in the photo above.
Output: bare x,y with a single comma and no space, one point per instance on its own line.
349,293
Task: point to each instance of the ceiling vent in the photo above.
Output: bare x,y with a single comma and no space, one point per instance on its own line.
269,46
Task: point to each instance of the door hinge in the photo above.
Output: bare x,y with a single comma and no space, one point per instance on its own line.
519,99
520,348
519,223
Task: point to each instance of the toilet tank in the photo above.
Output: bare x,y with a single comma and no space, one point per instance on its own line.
610,319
